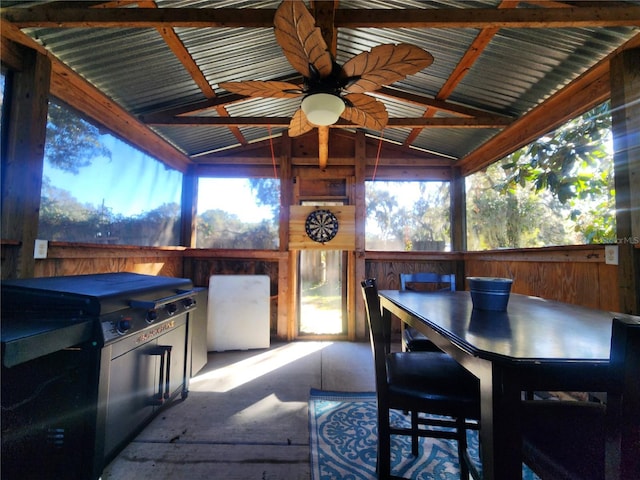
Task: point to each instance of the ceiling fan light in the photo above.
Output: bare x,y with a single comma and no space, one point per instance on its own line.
322,108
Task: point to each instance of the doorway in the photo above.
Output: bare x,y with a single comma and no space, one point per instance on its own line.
322,289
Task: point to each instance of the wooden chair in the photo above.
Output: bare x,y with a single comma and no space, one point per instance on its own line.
587,440
419,382
413,340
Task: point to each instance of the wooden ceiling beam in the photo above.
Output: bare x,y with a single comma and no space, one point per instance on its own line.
324,13
54,17
420,100
603,16
442,105
428,122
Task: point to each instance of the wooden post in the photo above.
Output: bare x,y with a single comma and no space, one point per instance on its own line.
625,113
458,222
188,217
361,214
22,164
323,147
286,291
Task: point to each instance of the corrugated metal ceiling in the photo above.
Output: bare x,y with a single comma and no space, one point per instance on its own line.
518,69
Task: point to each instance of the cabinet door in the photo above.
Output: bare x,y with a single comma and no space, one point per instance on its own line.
133,382
176,339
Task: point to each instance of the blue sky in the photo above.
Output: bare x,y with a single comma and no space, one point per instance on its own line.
232,195
129,183
132,183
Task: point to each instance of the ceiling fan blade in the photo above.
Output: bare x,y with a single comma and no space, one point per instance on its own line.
299,124
258,88
384,65
365,110
300,39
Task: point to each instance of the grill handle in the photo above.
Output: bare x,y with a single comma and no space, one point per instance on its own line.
153,304
164,379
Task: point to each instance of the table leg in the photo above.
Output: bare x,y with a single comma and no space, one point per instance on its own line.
500,430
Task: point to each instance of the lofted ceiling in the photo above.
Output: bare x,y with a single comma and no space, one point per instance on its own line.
503,72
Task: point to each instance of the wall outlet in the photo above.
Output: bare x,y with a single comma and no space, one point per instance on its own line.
611,254
40,250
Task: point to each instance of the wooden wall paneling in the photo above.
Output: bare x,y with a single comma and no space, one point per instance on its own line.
320,188
388,272
573,274
80,259
170,267
608,287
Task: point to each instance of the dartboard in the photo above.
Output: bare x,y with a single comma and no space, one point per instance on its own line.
321,226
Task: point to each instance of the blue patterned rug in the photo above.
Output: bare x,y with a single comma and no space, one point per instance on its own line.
343,442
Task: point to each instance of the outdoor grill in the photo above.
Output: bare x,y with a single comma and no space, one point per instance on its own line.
87,361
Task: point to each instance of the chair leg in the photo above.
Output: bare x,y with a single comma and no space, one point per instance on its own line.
414,433
384,444
462,448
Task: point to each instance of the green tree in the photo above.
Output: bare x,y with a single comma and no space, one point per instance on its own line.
267,192
513,218
574,165
430,216
382,207
421,223
71,141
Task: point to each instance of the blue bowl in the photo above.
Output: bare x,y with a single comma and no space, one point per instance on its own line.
490,293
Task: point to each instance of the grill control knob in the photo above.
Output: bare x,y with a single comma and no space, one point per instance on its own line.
189,302
171,308
152,316
123,325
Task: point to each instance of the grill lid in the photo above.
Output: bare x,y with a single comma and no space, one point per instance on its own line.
85,295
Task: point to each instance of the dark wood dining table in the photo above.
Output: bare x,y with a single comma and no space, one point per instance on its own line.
536,344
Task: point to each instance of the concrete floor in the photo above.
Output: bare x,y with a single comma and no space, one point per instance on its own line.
246,416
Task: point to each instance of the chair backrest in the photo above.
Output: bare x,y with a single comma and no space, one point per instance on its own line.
623,400
437,279
379,332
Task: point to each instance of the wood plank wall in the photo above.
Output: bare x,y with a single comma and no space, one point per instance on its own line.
576,274
78,259
573,274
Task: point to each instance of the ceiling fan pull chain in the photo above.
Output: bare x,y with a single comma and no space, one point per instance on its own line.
375,168
273,155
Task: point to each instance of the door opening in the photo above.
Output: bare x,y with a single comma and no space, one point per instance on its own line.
322,289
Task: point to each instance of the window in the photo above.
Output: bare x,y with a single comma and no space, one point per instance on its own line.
98,189
405,216
556,191
238,213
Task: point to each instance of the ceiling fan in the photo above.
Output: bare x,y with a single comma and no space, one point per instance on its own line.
329,90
